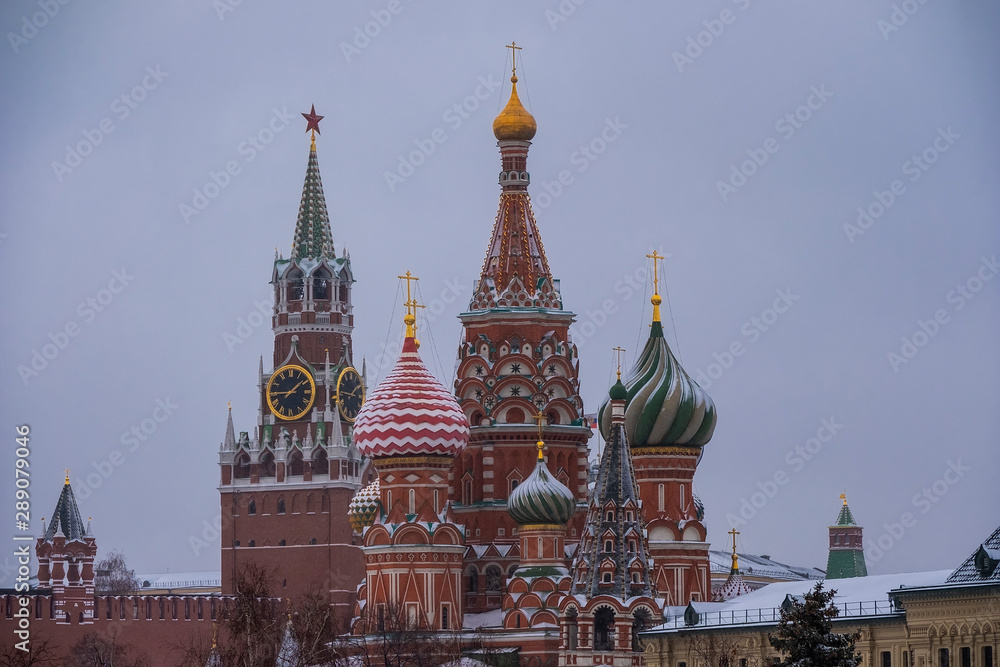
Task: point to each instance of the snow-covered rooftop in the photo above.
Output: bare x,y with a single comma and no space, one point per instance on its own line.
857,597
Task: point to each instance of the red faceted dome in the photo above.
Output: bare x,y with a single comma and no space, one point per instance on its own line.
410,414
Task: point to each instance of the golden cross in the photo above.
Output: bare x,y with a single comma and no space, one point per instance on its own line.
539,418
656,273
66,470
411,306
734,533
618,353
514,48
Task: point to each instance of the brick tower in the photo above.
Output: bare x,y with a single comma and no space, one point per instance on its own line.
516,359
66,553
668,419
285,491
847,555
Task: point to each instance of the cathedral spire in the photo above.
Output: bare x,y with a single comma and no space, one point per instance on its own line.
515,272
313,235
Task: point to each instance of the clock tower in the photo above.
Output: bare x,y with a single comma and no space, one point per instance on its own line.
285,489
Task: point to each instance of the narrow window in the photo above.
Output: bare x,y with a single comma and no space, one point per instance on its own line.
252,507
609,546
281,505
943,657
413,501
444,617
436,509
467,493
607,577
886,659
661,499
987,656
743,662
965,656
611,516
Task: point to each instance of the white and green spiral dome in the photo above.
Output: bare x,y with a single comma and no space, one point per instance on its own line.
541,499
664,406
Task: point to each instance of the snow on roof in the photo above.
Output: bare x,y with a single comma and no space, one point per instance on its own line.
486,619
859,596
751,565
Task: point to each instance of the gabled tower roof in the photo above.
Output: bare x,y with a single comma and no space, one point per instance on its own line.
313,236
66,520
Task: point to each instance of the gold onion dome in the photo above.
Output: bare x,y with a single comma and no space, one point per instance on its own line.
514,122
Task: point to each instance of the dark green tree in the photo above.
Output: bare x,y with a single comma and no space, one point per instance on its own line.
805,634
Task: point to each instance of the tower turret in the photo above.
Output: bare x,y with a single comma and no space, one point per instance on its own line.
516,359
847,555
668,419
66,553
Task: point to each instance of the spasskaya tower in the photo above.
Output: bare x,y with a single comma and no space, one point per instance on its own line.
285,488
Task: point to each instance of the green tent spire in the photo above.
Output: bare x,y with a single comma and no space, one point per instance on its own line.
847,556
313,236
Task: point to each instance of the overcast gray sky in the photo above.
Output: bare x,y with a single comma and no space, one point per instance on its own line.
737,136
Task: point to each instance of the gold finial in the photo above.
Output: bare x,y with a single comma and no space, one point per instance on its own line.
539,418
410,319
843,497
655,299
229,404
514,48
736,563
618,353
66,470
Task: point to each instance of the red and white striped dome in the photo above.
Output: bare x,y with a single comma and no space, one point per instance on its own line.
410,413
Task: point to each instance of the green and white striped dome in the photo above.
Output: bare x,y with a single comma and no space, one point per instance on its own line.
665,407
541,499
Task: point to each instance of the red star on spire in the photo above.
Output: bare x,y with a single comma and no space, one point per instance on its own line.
312,120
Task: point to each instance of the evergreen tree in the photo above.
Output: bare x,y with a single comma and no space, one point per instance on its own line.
805,633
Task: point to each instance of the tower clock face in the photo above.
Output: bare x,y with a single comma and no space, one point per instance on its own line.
350,394
291,391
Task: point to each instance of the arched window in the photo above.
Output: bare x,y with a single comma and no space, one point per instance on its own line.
572,629
610,516
252,543
252,507
281,506
321,289
609,545
267,467
295,285
494,579
631,546
320,464
604,629
241,467
474,580
295,463
607,578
